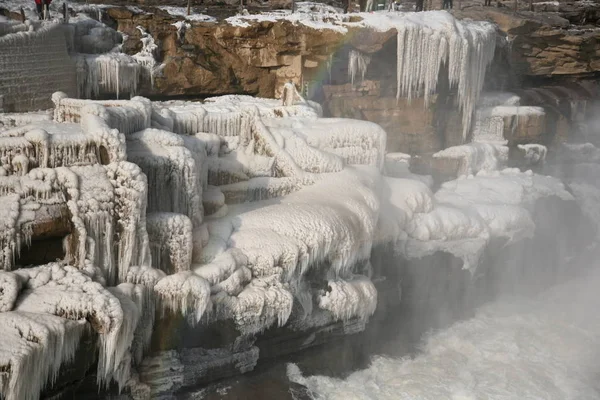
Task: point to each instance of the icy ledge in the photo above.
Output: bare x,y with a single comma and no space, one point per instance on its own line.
235,209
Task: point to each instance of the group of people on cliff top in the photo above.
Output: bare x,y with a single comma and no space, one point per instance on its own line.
420,5
43,8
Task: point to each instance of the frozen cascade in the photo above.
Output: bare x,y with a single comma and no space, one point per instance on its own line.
249,261
110,72
430,39
106,204
33,348
65,291
48,144
185,293
167,162
357,64
146,57
131,190
95,205
464,214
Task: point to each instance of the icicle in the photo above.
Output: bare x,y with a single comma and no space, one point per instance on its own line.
95,206
146,55
263,303
67,292
357,63
165,161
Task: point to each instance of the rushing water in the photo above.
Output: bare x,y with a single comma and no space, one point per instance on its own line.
546,347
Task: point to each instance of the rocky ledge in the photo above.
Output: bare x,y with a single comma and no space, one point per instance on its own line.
208,58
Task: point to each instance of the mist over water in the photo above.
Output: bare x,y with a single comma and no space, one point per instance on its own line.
545,347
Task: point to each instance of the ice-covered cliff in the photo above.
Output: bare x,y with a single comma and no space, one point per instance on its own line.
229,210
149,226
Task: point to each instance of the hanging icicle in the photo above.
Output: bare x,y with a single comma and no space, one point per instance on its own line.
357,64
436,38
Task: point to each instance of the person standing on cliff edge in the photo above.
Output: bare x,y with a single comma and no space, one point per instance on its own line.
289,94
43,8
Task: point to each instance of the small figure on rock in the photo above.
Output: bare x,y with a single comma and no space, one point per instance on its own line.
448,4
289,94
43,8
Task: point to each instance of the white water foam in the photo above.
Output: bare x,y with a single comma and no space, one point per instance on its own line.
542,348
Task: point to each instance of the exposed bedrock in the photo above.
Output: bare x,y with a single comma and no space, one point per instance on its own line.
218,58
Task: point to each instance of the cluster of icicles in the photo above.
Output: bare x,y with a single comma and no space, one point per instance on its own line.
425,43
102,68
111,72
106,276
357,64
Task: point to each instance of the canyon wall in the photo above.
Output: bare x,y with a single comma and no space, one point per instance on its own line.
157,246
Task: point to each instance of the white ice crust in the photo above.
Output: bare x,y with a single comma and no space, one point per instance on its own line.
220,210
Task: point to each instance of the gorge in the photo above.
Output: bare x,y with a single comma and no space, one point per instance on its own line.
169,225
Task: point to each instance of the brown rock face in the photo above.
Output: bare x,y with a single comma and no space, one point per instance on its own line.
543,44
209,59
213,59
218,58
412,126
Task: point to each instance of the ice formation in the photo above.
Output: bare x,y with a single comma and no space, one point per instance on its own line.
429,39
534,153
224,210
290,94
164,158
66,292
426,40
184,292
181,28
475,157
464,214
170,241
110,72
350,299
35,346
146,56
357,64
496,119
182,12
